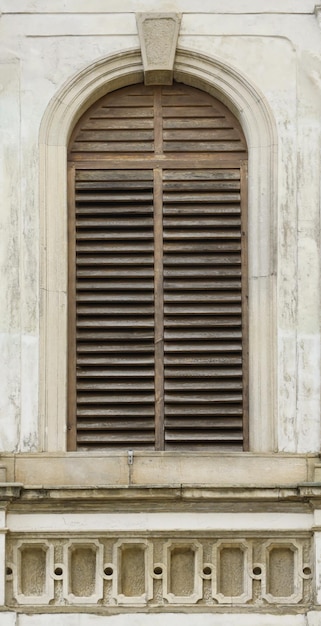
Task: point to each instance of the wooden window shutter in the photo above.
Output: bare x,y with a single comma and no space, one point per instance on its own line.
157,274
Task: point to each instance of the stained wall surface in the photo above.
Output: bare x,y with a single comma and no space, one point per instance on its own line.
277,51
211,539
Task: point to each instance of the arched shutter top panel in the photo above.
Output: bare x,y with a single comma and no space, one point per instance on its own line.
162,120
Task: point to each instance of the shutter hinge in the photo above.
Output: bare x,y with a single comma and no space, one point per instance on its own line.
130,457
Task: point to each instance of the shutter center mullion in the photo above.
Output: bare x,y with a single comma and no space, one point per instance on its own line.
159,310
158,122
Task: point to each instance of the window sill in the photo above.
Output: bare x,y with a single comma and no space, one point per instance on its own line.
159,469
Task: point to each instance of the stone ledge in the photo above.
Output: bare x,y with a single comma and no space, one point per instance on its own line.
171,498
219,470
188,493
9,492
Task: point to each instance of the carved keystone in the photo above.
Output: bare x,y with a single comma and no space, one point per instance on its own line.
158,34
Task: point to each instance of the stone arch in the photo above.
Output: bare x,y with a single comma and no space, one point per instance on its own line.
64,110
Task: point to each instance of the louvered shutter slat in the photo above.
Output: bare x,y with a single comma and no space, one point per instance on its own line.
115,322
112,360
208,123
122,412
217,369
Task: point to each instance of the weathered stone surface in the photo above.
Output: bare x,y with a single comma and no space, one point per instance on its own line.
158,34
221,470
185,570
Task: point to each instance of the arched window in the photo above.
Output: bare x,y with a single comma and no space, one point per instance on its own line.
157,274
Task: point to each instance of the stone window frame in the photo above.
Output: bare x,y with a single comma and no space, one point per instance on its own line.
249,106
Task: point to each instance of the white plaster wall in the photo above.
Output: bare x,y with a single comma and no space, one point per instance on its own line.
279,49
176,619
314,618
154,522
10,342
114,6
8,619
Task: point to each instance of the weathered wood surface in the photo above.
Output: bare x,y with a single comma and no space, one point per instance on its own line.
158,326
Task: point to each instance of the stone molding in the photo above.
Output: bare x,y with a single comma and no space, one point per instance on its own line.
317,12
303,502
201,571
223,471
250,107
158,35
